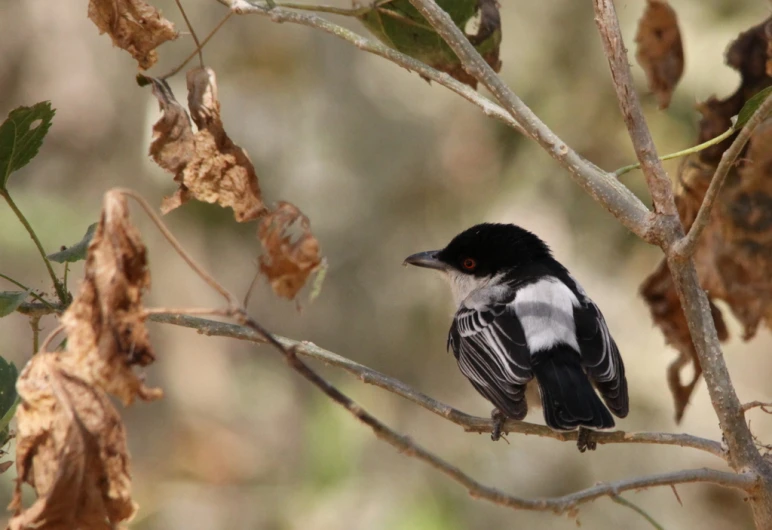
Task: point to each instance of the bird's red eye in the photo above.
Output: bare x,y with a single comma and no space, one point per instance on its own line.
469,264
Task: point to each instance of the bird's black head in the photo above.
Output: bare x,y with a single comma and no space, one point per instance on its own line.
485,250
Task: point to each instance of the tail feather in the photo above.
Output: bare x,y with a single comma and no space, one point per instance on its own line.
614,394
567,396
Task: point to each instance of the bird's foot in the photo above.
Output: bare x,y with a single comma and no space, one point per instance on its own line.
498,418
584,440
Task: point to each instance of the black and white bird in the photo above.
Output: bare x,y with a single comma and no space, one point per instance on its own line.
521,315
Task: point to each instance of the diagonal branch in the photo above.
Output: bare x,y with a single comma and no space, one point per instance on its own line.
656,179
601,185
468,422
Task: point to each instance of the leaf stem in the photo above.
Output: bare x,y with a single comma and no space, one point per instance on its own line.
624,502
198,48
34,322
694,149
192,33
60,291
32,293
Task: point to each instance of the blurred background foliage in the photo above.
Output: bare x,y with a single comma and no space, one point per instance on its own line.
384,165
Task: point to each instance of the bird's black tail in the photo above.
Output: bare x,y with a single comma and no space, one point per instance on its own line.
568,398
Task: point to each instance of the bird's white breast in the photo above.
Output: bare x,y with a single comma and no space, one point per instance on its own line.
473,292
546,311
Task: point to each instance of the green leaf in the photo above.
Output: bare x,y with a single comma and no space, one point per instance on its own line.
10,300
751,106
400,26
9,399
77,251
21,135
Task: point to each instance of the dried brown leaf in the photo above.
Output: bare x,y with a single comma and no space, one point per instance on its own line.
734,255
134,26
660,52
288,260
105,323
71,443
207,164
71,448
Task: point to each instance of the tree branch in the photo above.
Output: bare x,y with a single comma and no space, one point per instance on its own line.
657,180
280,15
686,246
468,422
743,454
601,185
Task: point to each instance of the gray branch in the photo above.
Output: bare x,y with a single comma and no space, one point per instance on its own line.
467,421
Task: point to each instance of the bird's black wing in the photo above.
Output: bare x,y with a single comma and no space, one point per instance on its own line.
600,355
491,350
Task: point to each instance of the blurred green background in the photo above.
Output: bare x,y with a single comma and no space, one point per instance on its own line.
384,165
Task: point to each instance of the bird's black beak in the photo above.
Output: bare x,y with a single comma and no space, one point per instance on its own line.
426,259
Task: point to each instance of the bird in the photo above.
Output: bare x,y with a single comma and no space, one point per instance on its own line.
521,315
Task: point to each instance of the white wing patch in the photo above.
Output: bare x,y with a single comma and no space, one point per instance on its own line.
546,312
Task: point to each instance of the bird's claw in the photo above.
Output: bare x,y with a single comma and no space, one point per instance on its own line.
498,424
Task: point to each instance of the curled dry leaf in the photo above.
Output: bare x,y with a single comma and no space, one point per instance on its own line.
289,258
71,443
105,324
134,26
72,449
734,255
207,164
660,52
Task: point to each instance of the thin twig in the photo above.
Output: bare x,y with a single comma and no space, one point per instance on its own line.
192,33
691,150
624,502
685,247
34,322
50,337
187,311
468,422
37,308
757,404
343,11
174,71
278,15
245,303
58,287
657,180
214,284
677,496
